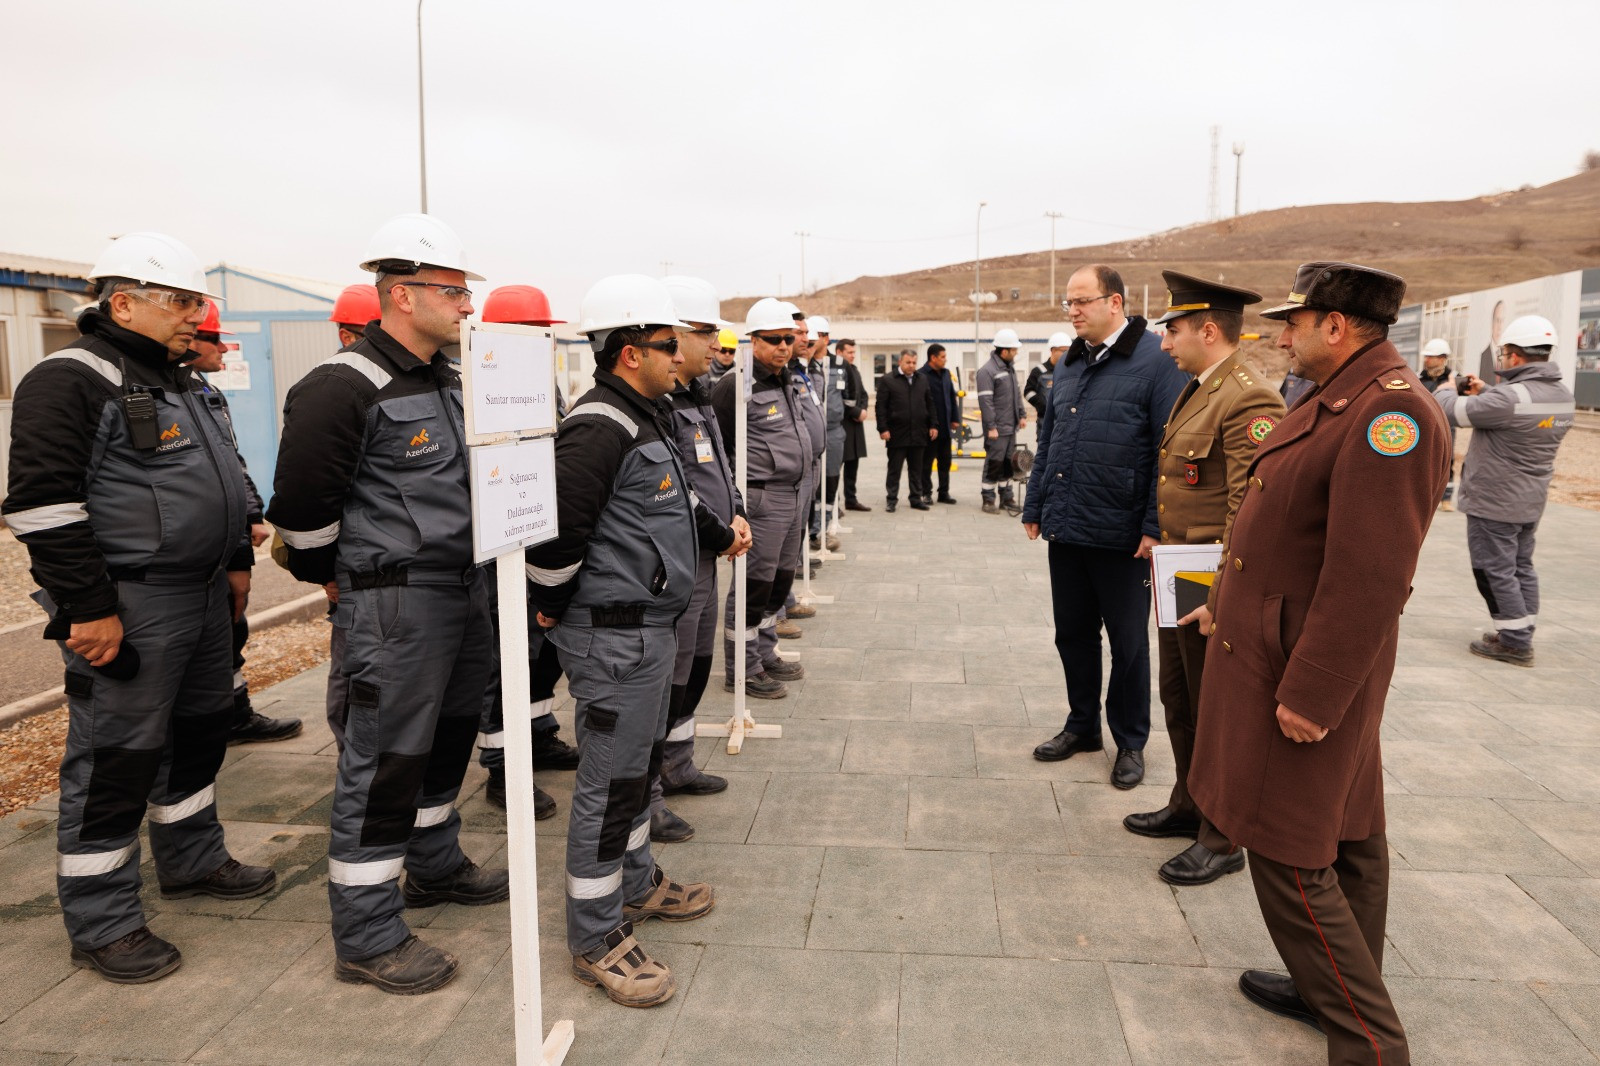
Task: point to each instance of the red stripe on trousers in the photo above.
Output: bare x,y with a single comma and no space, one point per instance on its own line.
1337,975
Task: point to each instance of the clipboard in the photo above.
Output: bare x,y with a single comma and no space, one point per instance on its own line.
1197,563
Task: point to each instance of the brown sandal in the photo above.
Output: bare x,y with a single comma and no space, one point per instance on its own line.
671,902
628,975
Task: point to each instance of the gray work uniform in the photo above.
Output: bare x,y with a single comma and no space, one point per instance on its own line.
1000,404
618,577
1517,426
699,443
142,534
544,672
832,380
371,490
777,447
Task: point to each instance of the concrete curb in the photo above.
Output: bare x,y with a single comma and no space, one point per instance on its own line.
309,606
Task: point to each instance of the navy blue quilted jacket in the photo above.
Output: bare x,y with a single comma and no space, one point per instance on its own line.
1094,485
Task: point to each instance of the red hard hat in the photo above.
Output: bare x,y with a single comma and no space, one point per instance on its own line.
356,306
213,322
519,305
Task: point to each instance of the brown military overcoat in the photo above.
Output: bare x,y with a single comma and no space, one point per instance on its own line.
1211,438
1317,568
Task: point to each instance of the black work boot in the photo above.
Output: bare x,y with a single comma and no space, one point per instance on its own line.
408,969
232,880
139,957
494,793
258,728
550,752
470,885
668,828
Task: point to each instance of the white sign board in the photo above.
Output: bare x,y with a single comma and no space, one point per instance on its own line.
508,381
234,375
513,496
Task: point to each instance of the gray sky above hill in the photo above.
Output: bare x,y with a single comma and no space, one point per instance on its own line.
569,141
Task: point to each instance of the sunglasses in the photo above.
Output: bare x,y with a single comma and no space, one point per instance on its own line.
670,346
776,342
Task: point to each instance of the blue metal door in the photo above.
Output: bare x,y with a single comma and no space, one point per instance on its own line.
247,381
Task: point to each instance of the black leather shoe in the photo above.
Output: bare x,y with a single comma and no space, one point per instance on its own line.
550,752
1065,745
1199,865
889,507
855,505
544,804
1162,823
945,497
132,960
470,885
409,969
1275,992
701,784
1128,770
232,880
668,828
917,504
258,728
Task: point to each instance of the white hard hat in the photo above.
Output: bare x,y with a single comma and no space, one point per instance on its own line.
795,314
1530,331
626,300
155,259
768,314
695,300
1437,346
1059,340
1006,338
818,324
422,241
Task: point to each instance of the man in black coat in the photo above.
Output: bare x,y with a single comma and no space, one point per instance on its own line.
907,421
855,413
947,420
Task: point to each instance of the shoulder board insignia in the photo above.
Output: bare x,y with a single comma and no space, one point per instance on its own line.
1259,427
1393,433
1396,383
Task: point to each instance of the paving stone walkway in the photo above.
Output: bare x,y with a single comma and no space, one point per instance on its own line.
900,882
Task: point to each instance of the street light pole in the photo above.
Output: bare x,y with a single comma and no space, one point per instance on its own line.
1052,216
802,234
977,281
1238,165
422,131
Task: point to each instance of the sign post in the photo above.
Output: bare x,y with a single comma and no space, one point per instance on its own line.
508,385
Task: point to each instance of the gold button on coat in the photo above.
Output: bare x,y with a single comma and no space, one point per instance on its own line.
1238,564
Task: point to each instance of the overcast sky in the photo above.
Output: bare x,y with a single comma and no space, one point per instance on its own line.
567,141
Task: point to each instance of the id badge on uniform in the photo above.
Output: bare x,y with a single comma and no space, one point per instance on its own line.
702,449
838,384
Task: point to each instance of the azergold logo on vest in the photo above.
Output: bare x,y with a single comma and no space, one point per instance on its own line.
666,483
665,491
421,445
420,439
172,439
172,432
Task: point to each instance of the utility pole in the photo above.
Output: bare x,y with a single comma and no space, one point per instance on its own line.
977,282
422,132
666,267
1238,165
1052,216
1213,195
802,234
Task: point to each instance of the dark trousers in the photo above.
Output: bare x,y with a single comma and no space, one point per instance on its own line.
1181,656
1091,588
911,458
850,468
938,456
1328,926
241,692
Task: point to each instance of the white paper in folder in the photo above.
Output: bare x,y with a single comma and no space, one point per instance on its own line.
1166,560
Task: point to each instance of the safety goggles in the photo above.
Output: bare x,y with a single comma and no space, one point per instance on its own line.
453,293
179,303
778,341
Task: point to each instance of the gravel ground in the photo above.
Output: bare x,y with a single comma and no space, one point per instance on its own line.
15,583
30,751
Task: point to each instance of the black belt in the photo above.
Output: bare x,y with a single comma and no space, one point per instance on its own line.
155,575
621,616
407,575
774,484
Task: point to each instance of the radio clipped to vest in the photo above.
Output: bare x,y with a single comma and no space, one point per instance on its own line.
139,408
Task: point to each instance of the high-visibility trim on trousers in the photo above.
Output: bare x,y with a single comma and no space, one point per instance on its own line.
597,887
177,812
94,864
357,874
1516,623
427,816
684,730
640,836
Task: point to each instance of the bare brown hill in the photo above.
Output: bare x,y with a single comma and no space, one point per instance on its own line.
1440,248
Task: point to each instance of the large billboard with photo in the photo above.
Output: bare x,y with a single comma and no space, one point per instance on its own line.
1556,297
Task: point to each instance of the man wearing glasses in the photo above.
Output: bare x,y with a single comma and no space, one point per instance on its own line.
775,463
1092,495
371,492
610,589
128,493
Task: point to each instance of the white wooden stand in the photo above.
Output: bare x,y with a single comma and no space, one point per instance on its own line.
742,724
533,1049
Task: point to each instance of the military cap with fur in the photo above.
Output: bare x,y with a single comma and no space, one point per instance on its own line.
1349,288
